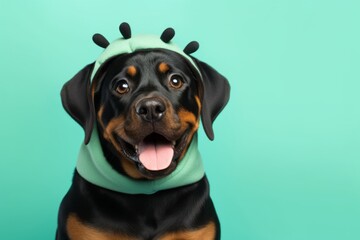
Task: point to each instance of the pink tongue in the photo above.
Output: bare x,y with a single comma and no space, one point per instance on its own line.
155,156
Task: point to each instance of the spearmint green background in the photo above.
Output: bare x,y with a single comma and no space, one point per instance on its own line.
285,163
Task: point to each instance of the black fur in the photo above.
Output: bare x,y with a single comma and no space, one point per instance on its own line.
141,216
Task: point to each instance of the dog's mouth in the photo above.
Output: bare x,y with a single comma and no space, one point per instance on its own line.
155,153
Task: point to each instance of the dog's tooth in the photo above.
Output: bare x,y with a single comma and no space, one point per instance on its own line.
136,148
173,143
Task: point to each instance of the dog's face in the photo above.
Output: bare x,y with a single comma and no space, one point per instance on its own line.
147,106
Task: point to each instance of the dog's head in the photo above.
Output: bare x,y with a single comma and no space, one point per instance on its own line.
147,105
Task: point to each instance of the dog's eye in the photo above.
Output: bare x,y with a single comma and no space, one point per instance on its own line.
122,87
176,81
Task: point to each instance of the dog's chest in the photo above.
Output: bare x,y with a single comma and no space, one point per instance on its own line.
163,215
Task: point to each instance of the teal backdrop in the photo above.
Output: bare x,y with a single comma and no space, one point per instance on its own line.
285,163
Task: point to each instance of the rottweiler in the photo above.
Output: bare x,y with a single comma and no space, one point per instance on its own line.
145,107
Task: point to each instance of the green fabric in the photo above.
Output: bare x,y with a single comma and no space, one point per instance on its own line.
140,42
93,166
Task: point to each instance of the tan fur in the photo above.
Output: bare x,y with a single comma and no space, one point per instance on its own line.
78,230
188,119
163,67
205,233
99,116
131,71
114,126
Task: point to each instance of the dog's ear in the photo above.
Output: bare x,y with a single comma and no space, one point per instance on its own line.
77,101
215,91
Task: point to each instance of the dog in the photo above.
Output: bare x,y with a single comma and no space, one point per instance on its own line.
140,111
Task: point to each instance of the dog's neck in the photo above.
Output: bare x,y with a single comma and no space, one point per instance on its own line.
93,167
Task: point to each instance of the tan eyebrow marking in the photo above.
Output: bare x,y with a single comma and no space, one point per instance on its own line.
131,71
163,67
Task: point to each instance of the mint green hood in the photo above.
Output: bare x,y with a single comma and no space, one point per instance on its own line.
93,166
136,43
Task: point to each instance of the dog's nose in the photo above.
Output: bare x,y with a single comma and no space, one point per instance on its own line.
151,109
